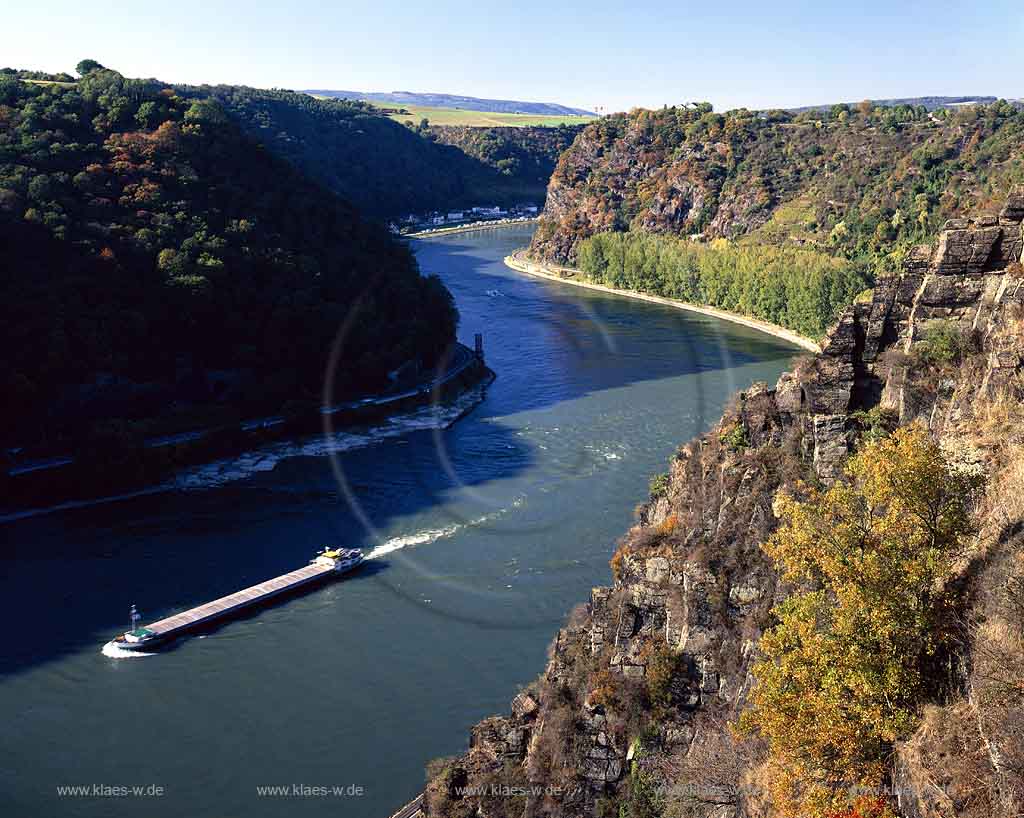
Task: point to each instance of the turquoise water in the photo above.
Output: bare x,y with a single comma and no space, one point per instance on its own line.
485,535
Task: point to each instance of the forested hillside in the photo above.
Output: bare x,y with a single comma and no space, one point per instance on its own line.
383,167
863,182
156,256
528,154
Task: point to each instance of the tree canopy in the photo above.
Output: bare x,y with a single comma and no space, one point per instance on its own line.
87,67
843,673
796,288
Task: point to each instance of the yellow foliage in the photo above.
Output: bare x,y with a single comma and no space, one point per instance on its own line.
603,690
616,561
841,678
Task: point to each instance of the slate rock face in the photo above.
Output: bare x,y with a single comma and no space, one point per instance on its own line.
965,251
1013,210
965,279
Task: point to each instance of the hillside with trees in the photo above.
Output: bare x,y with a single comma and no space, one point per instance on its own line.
157,259
510,106
528,154
932,103
862,182
383,167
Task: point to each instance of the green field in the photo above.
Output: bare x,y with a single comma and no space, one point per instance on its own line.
484,119
481,119
49,82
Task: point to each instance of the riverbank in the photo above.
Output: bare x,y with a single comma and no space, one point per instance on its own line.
469,228
145,465
566,275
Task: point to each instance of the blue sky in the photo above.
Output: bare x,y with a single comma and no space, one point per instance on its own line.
610,53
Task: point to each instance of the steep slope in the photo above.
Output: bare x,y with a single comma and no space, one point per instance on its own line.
155,257
860,183
634,713
386,169
529,154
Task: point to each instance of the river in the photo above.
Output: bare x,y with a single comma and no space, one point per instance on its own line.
485,535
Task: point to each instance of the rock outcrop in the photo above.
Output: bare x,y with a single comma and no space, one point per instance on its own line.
646,677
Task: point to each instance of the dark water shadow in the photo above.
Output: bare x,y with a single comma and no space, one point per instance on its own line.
71,576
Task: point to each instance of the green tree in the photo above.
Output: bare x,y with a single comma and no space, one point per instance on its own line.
205,111
148,114
87,67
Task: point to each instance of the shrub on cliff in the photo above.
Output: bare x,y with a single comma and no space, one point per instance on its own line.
942,344
665,680
844,671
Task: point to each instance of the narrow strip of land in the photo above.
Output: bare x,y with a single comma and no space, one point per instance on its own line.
461,358
411,810
568,275
466,228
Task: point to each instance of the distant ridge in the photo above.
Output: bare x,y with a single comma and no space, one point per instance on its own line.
931,103
499,106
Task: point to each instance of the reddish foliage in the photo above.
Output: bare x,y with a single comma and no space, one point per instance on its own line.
863,807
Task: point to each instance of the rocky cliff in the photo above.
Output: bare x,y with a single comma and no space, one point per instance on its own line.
633,714
854,182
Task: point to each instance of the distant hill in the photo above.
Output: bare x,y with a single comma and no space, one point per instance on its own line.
931,103
386,169
503,106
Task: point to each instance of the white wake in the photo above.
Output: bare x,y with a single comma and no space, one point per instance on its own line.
427,536
112,651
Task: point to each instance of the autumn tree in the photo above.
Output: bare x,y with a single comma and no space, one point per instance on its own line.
844,670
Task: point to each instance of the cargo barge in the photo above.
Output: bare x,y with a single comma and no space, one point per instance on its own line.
328,563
